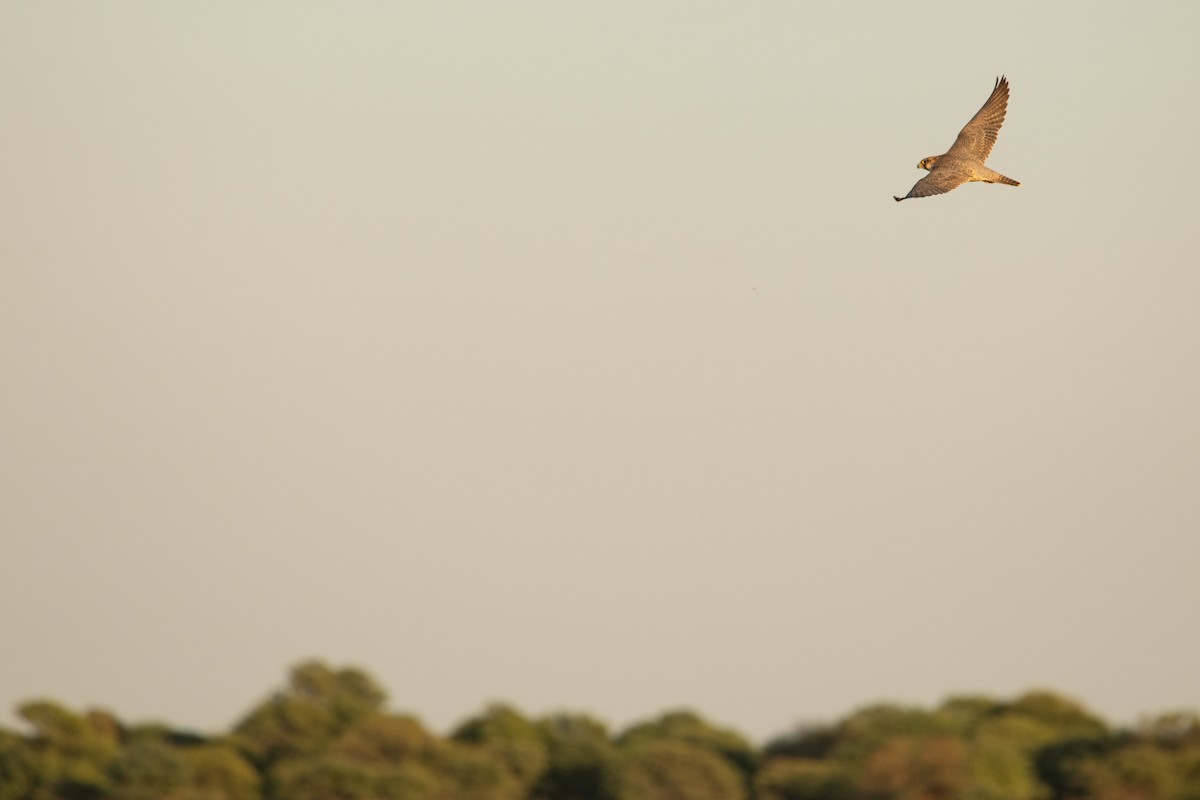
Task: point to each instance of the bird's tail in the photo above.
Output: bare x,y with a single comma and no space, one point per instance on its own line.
1009,181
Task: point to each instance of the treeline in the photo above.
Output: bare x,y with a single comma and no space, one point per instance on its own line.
326,736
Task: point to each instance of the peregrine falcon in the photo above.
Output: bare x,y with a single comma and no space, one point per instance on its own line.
963,162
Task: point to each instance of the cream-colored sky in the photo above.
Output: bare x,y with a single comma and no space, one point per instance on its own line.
577,356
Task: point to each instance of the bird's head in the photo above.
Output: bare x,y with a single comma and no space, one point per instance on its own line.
927,163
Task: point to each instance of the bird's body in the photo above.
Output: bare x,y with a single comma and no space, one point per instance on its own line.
964,161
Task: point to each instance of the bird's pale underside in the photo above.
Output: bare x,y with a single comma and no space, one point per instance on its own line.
964,161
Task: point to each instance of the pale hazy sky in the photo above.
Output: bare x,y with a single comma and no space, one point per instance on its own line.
575,355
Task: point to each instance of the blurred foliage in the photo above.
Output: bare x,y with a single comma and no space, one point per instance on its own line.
688,728
665,769
510,738
318,705
326,736
582,761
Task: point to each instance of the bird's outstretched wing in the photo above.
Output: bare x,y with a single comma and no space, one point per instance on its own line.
976,138
939,181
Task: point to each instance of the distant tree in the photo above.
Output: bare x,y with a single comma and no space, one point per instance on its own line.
1139,772
319,704
333,778
382,739
1024,734
218,772
317,778
675,770
511,737
104,727
410,781
809,741
963,714
1175,730
908,768
161,733
19,769
582,763
94,736
861,734
471,772
325,736
348,693
1000,769
802,779
147,770
1066,717
71,751
1058,764
689,728
1189,769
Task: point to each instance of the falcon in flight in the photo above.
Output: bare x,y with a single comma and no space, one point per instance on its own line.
963,162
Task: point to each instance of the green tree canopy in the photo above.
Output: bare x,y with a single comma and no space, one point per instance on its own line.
675,770
146,770
318,704
690,728
470,772
380,739
514,739
865,730
1065,717
808,741
326,736
218,772
803,779
582,763
20,772
71,751
912,768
